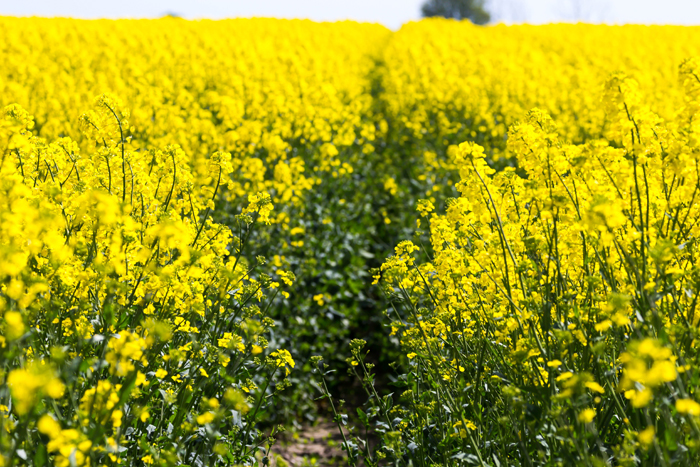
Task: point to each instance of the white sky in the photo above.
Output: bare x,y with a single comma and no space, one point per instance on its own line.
392,13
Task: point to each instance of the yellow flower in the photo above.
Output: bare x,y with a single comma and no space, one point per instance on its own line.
231,341
639,398
14,325
318,299
48,426
593,386
646,436
565,376
125,349
586,415
461,431
391,186
603,325
283,359
117,418
206,417
261,204
688,406
27,385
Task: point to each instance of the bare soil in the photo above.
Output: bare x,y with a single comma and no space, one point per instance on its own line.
319,445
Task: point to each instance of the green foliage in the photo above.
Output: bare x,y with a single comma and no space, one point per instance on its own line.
473,10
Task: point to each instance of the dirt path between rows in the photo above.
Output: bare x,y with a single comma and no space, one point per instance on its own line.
319,445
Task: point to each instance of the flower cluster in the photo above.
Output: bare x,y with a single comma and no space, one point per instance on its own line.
557,309
116,286
256,110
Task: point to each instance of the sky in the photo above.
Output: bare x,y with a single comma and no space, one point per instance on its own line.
391,13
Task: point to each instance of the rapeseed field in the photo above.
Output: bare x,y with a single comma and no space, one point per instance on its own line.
211,231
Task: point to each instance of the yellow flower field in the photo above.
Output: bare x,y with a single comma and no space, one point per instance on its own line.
194,214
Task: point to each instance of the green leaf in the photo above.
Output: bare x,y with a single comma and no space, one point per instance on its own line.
363,417
41,456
